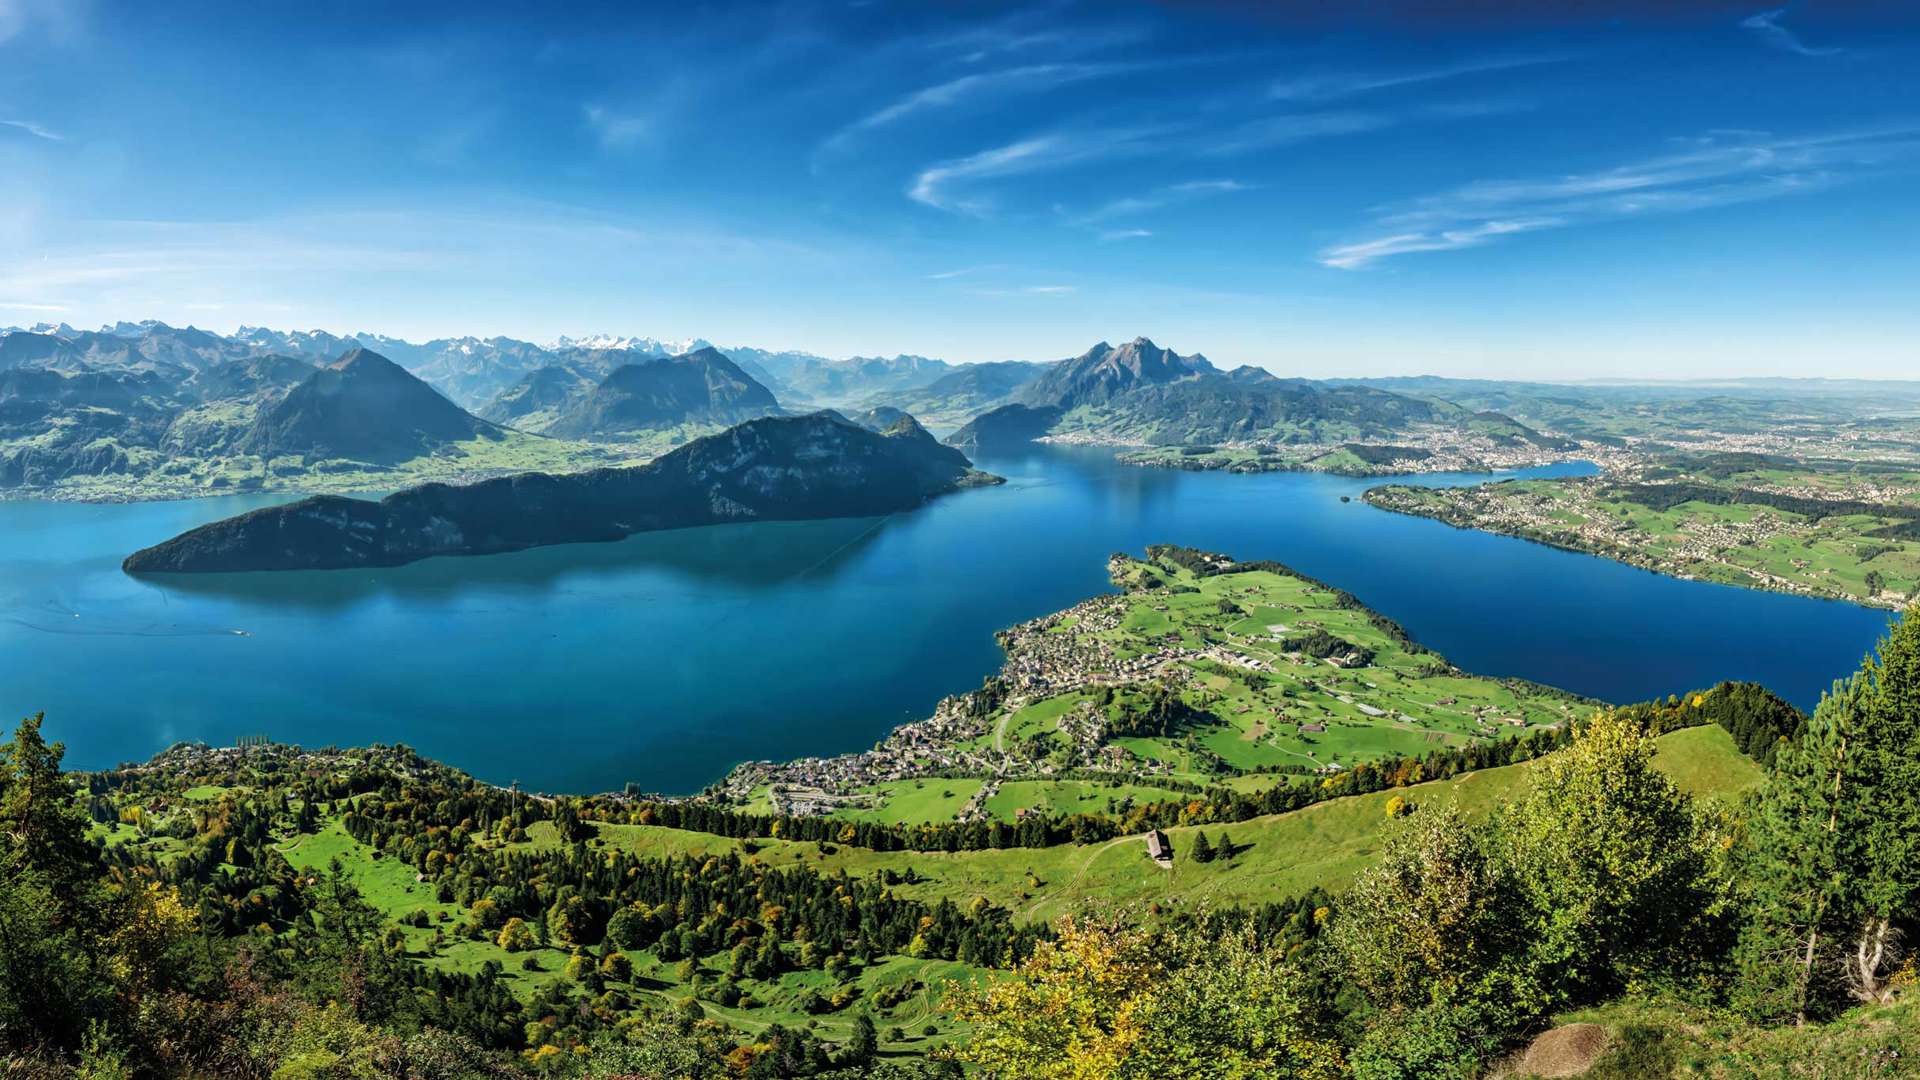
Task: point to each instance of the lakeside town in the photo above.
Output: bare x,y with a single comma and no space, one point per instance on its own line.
1257,695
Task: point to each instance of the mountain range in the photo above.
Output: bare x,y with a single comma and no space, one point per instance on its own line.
1141,393
145,400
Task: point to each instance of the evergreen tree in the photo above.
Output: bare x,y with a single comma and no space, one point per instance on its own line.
864,1044
1834,860
1202,850
1793,868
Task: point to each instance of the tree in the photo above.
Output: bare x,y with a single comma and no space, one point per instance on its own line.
864,1043
768,960
40,815
1438,920
1109,1000
515,936
1833,861
1614,862
54,923
628,928
616,966
1202,850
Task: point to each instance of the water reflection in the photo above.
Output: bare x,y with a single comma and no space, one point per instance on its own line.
743,556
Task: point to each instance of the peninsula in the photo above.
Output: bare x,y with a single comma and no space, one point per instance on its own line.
774,468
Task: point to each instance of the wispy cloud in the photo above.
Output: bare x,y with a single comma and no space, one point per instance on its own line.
1331,86
1269,132
61,19
1767,25
32,128
1030,290
1159,198
1028,30
947,185
969,88
616,129
1110,236
1356,255
1720,170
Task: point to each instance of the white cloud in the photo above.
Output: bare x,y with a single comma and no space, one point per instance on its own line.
1113,235
1171,195
967,88
1269,132
1030,290
62,19
1767,25
1356,255
945,186
34,130
1721,170
1329,86
619,130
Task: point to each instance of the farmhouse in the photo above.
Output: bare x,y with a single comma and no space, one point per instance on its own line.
1158,849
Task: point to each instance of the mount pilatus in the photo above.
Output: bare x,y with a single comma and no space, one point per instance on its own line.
775,468
1104,372
1141,394
364,407
700,387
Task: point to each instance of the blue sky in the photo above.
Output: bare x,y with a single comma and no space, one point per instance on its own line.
1616,192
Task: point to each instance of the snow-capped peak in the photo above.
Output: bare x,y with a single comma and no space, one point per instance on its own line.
635,344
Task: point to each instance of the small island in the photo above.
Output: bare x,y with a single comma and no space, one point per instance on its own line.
771,469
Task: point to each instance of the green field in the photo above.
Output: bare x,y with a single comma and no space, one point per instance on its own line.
1870,557
1194,676
1281,855
159,477
1258,702
1265,859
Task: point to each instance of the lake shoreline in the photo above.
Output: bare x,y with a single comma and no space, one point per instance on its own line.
667,658
1649,564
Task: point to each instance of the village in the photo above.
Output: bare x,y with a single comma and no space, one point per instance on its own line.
1041,717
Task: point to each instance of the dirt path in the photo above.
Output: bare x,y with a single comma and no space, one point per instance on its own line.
1086,864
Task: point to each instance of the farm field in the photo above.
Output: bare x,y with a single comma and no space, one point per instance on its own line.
1202,673
1826,532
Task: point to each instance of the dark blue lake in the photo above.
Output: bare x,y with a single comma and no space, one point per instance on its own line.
666,658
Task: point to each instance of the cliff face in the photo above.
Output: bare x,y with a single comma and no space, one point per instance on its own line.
777,468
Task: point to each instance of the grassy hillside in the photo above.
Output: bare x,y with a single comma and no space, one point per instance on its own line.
1273,857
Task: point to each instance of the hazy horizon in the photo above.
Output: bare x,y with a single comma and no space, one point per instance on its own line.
1640,196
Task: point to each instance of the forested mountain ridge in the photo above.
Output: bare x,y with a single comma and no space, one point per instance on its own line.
776,468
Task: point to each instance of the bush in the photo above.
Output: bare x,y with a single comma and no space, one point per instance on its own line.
1437,1042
